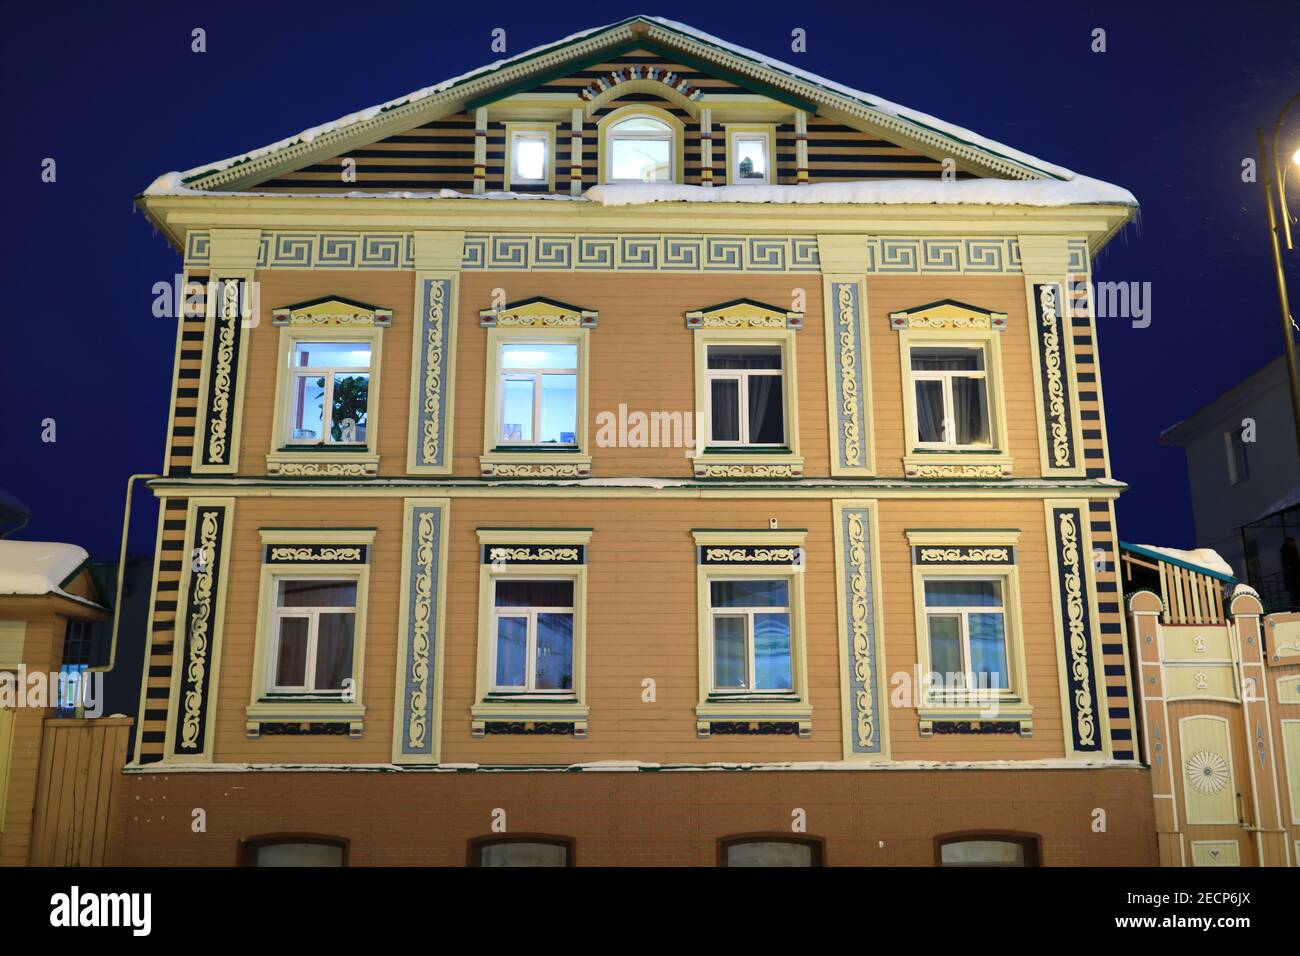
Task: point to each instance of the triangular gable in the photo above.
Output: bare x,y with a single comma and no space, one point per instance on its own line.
826,98
743,314
947,314
332,310
538,312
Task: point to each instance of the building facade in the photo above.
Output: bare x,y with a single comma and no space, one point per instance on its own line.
637,451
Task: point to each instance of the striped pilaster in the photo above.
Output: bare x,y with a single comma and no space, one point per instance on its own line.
480,150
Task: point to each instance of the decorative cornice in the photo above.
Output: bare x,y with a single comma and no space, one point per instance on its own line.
538,312
948,315
744,314
332,311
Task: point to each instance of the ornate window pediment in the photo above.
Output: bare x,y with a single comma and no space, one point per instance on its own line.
744,314
538,312
948,314
332,310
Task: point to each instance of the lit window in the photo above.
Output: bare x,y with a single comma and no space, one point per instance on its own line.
315,630
640,150
532,630
539,393
329,393
750,625
966,624
750,162
530,158
293,851
952,402
771,852
746,395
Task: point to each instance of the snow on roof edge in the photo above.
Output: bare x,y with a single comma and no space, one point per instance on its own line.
37,567
989,192
1206,558
951,130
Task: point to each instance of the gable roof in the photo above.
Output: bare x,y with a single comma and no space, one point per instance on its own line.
38,568
907,127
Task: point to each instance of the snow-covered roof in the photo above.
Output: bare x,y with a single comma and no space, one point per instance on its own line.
1205,558
1083,190
38,567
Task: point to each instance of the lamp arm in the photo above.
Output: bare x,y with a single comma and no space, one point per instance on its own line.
1282,171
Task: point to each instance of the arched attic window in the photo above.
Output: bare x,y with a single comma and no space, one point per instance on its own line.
640,149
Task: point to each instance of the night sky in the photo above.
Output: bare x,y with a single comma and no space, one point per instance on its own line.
114,94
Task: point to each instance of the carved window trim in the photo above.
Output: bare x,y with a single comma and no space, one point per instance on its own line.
529,130
766,131
677,147
754,554
324,553
329,319
557,554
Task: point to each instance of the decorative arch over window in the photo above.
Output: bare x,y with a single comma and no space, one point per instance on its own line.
642,79
294,849
986,848
522,849
771,849
641,144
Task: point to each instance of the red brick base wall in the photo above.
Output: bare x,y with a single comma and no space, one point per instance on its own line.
642,818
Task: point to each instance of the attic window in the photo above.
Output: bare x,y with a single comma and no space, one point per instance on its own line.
530,157
639,150
751,158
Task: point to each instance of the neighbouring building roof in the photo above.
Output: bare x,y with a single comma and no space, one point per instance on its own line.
1204,560
1208,415
39,567
1028,181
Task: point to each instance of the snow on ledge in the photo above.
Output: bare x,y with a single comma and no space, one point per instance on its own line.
37,567
1206,558
872,192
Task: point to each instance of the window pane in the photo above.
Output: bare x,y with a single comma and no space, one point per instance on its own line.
559,409
970,410
729,656
308,404
929,411
512,650
766,410
554,652
332,354
947,359
523,854
643,160
963,593
945,649
334,634
351,396
724,405
751,158
539,355
988,651
775,853
517,409
544,593
291,655
983,853
755,593
744,356
299,854
530,159
318,594
772,652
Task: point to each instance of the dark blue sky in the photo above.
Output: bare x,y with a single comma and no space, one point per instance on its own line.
113,93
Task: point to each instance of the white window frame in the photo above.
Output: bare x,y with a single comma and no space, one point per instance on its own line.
536,374
743,375
530,613
738,134
537,132
327,372
313,614
945,377
748,614
964,613
611,135
1231,438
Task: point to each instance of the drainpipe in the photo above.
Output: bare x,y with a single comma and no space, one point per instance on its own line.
121,575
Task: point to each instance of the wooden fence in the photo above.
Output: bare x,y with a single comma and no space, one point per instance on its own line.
78,818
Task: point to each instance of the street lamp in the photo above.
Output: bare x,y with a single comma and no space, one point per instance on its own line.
1269,158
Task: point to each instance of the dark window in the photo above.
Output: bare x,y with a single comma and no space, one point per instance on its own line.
770,850
1238,466
293,849
987,849
521,850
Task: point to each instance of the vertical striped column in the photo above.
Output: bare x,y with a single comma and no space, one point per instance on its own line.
480,150
706,147
575,154
801,146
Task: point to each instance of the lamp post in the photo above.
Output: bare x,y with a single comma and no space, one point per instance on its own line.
1269,158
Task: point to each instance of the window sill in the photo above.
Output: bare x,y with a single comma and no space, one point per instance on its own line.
304,711
758,711
540,463
530,710
323,463
976,717
957,464
747,463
